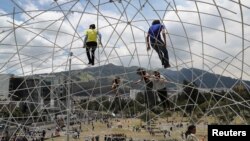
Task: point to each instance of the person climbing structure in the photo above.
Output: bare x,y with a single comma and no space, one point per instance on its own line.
159,82
156,42
149,95
117,100
90,42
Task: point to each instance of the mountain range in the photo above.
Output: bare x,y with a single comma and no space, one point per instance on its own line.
98,80
202,78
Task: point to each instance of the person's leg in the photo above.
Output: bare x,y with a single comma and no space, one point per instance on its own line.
120,104
156,47
113,105
151,99
167,100
164,51
163,95
88,54
162,98
150,95
117,104
93,54
147,107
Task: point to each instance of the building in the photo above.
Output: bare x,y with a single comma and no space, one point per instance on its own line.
133,93
24,89
4,86
43,91
53,90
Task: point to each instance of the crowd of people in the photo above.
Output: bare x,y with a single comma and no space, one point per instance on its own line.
24,134
115,137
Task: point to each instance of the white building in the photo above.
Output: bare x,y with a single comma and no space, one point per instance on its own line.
134,92
4,86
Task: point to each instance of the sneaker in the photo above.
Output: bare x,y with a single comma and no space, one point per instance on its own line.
167,66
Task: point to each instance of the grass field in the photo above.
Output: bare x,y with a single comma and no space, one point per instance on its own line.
101,130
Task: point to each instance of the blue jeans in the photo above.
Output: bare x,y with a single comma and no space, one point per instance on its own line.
162,52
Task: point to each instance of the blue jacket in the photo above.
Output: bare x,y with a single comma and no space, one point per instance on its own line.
155,33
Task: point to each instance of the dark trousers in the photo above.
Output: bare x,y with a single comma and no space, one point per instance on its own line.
116,104
92,56
162,52
163,95
150,101
149,96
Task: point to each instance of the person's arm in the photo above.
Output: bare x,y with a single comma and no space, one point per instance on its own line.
147,42
152,78
85,38
113,86
138,81
142,77
84,41
147,76
163,79
100,37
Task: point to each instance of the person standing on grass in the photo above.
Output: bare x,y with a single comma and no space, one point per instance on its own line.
190,134
161,89
117,100
149,96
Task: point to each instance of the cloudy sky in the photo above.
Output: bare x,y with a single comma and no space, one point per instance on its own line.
36,36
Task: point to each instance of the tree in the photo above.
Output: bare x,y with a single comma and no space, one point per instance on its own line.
17,112
140,98
104,102
192,95
4,112
93,105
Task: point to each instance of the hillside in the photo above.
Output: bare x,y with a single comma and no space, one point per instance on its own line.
201,78
98,80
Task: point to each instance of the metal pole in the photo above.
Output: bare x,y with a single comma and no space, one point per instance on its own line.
31,68
68,96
